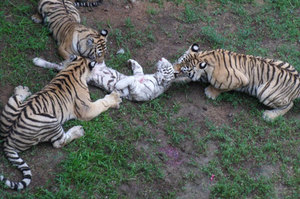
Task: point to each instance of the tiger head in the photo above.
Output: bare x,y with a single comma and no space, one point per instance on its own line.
94,45
193,63
165,72
80,66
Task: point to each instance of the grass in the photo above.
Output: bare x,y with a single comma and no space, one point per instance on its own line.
120,153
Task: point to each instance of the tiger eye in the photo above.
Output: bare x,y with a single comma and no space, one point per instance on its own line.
202,65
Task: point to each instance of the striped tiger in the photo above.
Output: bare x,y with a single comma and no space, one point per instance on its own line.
275,83
63,21
136,87
24,123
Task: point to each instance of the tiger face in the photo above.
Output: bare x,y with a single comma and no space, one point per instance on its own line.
85,65
192,64
94,46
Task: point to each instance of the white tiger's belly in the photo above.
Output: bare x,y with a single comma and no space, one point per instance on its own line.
145,88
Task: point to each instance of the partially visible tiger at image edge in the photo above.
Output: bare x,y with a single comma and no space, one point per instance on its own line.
275,83
39,118
73,38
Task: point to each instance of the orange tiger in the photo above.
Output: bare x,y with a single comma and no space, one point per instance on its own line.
275,83
63,21
27,122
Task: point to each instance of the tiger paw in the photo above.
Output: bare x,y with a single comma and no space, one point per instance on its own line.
22,92
133,64
36,18
38,61
77,132
211,92
270,115
114,99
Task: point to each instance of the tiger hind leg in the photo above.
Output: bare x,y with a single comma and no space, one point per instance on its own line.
45,64
22,92
270,115
37,18
12,108
72,134
136,67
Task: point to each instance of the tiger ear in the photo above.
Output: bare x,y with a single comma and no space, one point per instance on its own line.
90,41
104,32
195,48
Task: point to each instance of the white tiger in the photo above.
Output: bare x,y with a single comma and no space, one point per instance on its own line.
138,87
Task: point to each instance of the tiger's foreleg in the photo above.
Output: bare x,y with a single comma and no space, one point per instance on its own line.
136,67
93,109
220,81
272,114
63,52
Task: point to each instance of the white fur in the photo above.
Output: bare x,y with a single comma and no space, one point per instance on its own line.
138,87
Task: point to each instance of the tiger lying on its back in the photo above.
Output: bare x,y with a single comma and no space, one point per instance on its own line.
40,117
274,83
63,20
139,87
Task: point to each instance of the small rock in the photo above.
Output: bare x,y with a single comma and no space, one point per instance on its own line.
121,51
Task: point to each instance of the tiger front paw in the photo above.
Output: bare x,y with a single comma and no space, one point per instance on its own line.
211,92
22,92
114,99
133,64
36,18
77,132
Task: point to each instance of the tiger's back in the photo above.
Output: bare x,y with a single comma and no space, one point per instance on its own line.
59,15
268,79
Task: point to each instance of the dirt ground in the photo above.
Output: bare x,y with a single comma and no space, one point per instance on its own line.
194,105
